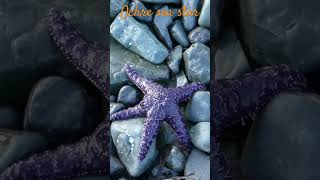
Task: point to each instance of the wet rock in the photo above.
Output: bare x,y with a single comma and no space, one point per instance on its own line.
283,142
16,145
179,34
120,56
197,63
163,172
230,59
198,108
128,95
174,59
204,19
56,107
200,136
181,79
160,24
136,4
115,165
126,136
116,6
166,135
190,22
199,35
175,160
139,39
9,118
199,164
115,107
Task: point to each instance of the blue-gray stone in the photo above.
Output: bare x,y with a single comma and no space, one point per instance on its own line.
204,19
9,118
17,145
179,34
115,165
162,1
199,35
199,164
181,79
126,136
161,24
139,39
200,136
198,108
175,159
162,172
197,63
136,4
166,135
190,22
128,95
174,59
230,59
115,107
120,56
116,6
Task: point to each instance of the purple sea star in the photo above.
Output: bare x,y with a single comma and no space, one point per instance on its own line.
89,156
158,104
234,100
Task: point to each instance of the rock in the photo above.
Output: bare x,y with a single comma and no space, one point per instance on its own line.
179,34
166,135
115,165
181,79
16,145
278,33
197,63
136,4
56,107
160,24
126,136
230,59
198,108
128,95
115,107
204,19
175,160
174,59
139,39
200,136
119,56
199,35
162,1
199,164
190,22
116,6
283,142
163,172
9,118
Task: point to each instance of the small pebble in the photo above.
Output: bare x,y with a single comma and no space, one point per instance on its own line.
200,136
175,160
128,95
199,35
198,108
179,34
174,59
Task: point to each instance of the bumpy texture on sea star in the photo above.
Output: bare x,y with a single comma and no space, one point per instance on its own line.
158,104
89,156
234,100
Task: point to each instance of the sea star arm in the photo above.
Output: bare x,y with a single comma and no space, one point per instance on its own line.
87,57
184,93
151,128
144,84
89,156
129,113
175,119
236,99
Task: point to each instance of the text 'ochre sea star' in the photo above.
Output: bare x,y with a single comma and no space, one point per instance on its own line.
234,100
159,104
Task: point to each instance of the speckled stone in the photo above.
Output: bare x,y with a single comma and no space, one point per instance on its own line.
136,4
197,63
115,107
199,164
139,39
128,95
160,24
175,160
126,136
179,34
199,35
116,6
174,59
181,79
198,108
204,19
120,56
200,136
190,22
